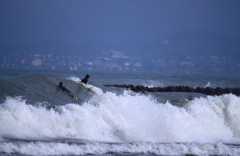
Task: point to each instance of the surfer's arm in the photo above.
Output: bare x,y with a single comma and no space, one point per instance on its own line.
64,89
68,91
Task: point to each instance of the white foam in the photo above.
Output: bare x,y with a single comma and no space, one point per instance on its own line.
97,148
151,83
75,79
208,85
129,117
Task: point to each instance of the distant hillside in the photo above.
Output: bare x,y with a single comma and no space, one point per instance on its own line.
193,43
182,52
199,43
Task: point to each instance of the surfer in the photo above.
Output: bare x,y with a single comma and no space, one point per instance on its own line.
190,98
60,85
85,80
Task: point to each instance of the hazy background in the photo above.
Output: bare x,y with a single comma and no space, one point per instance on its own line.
93,29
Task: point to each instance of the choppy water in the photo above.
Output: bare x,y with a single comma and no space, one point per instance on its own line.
36,118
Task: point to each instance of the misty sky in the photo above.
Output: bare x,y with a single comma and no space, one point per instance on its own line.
113,21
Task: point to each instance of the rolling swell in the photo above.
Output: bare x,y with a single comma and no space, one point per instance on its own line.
41,88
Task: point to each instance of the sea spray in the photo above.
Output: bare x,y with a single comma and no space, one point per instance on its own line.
221,112
127,117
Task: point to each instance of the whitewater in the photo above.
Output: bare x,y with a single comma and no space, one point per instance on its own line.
38,119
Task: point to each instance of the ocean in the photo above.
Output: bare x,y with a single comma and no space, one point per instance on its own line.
38,118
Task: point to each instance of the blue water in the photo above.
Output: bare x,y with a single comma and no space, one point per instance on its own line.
36,118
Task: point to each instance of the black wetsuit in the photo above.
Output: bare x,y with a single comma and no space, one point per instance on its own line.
64,89
85,80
